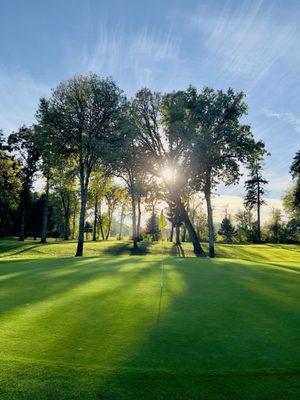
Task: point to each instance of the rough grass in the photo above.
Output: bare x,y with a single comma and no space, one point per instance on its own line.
99,327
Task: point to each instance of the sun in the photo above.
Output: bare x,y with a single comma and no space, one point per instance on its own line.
168,174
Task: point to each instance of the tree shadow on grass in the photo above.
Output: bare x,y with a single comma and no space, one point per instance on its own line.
20,251
215,323
177,250
34,281
23,247
118,249
282,266
284,247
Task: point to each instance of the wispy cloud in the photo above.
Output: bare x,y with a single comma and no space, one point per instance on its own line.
286,117
152,55
105,56
245,40
158,46
135,57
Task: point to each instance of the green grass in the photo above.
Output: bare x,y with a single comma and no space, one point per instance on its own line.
97,327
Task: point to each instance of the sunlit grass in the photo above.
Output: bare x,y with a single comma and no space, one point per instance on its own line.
97,326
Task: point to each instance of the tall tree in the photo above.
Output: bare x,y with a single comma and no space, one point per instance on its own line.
49,154
83,114
162,133
220,143
255,189
128,164
24,143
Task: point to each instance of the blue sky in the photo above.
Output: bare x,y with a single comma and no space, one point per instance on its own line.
249,45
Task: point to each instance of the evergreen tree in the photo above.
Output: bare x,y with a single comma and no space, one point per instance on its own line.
227,230
152,228
255,190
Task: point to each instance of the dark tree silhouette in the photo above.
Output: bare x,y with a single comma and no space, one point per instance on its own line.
24,142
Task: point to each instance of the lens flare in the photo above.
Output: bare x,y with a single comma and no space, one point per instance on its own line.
168,174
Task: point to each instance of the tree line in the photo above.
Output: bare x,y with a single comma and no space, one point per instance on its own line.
88,138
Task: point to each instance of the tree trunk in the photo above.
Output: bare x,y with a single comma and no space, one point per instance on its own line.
121,222
211,233
67,218
133,205
258,213
109,225
198,250
184,226
22,225
177,234
45,213
74,220
95,220
23,207
100,223
138,231
80,242
66,207
171,233
184,234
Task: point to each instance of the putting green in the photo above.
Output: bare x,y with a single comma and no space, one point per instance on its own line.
98,327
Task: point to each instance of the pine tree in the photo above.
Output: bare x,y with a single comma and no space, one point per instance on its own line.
255,190
227,230
152,227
